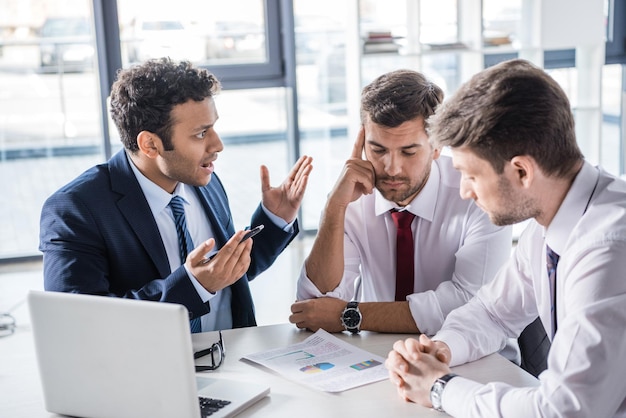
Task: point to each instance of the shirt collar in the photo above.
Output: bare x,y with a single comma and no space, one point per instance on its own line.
422,205
572,208
157,198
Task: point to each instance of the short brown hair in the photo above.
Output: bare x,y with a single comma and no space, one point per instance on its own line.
513,108
399,96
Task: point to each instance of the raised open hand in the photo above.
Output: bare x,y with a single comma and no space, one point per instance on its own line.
284,200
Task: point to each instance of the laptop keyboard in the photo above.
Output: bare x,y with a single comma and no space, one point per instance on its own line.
208,406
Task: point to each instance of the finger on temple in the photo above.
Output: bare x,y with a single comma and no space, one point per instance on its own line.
357,151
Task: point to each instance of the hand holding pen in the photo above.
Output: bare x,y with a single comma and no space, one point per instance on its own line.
249,234
224,267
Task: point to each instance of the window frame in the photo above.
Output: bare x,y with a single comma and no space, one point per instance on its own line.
271,73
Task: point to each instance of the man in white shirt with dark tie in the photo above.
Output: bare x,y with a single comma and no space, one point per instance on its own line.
394,167
511,131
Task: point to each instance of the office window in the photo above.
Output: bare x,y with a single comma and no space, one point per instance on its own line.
232,41
320,40
238,40
51,117
49,111
501,23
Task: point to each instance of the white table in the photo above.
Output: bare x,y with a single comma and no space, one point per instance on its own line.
288,399
21,394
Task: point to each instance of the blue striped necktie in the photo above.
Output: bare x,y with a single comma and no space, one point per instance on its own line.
185,244
552,260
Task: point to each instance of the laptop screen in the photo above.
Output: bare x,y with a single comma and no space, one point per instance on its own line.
101,356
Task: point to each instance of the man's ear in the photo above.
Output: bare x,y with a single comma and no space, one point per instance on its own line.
436,153
524,168
148,143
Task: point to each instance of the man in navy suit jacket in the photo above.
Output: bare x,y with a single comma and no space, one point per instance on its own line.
111,232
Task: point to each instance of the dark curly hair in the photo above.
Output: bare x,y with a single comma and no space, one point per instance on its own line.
399,96
143,96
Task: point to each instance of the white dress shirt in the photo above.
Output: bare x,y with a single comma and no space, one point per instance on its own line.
587,360
220,316
457,249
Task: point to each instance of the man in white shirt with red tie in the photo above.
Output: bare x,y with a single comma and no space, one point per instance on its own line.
393,166
511,131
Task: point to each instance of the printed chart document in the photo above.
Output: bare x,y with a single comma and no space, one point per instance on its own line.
324,362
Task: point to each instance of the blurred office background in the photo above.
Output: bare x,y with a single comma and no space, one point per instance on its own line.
291,70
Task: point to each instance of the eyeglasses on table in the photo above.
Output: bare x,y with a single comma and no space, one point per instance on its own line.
217,353
7,324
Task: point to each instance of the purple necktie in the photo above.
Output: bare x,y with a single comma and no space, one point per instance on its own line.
405,253
552,260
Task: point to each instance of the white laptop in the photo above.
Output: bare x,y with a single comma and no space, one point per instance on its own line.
109,357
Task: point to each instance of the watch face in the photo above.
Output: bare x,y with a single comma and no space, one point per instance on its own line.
351,318
435,395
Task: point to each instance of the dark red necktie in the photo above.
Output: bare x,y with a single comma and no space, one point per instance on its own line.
404,253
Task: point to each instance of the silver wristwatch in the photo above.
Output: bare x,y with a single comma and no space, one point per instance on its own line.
436,391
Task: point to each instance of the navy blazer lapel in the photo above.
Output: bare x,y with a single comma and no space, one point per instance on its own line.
215,203
134,207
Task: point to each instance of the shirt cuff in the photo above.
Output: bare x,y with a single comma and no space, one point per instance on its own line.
204,294
278,221
457,345
458,394
426,311
306,289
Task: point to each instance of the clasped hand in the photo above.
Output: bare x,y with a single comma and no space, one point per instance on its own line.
415,364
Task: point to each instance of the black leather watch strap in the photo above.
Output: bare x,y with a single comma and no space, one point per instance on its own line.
436,391
351,317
